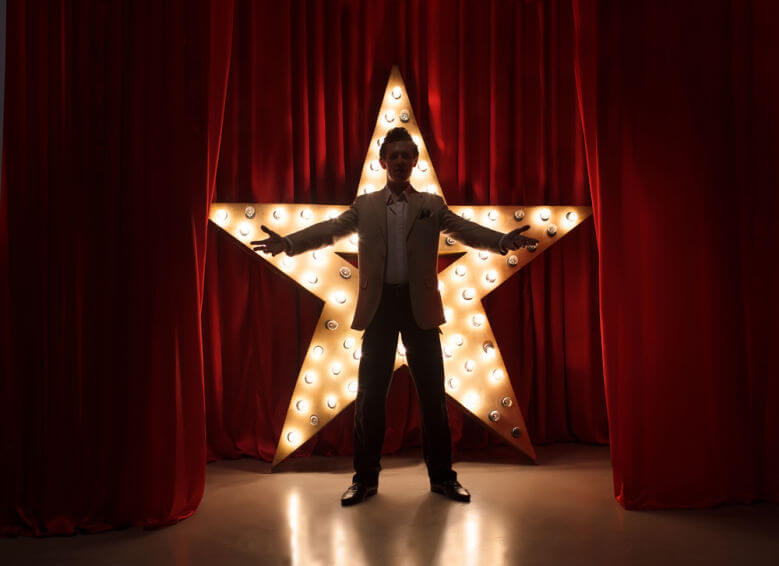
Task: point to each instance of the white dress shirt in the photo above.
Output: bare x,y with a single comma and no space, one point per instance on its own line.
396,269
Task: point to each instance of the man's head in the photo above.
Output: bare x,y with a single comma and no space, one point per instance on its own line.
398,155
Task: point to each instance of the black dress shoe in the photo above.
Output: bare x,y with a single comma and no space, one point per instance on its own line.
357,493
452,489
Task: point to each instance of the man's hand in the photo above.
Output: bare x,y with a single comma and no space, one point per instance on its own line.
514,240
273,245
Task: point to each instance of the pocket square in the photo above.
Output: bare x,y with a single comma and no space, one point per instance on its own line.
425,213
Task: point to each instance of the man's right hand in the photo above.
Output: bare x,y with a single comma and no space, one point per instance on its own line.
274,244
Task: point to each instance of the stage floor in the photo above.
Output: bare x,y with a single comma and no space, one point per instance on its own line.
559,512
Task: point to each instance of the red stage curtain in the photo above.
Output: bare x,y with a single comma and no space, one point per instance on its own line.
679,103
492,85
112,123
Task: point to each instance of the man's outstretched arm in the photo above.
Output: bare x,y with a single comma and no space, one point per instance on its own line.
315,236
477,236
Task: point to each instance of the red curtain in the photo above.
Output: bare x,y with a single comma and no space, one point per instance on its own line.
492,85
679,105
111,136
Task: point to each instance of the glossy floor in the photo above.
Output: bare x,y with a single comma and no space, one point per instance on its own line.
559,512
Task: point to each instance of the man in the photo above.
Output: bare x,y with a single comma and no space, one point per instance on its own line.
398,230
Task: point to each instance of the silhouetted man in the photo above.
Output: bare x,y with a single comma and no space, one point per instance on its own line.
398,230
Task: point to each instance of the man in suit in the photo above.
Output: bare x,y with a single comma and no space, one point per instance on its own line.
398,230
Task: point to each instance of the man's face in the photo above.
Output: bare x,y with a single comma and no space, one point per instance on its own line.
399,160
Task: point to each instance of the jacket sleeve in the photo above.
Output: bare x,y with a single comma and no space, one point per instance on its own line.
324,233
469,233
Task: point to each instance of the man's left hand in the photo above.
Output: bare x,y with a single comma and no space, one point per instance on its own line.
514,240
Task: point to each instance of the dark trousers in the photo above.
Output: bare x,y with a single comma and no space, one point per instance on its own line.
423,354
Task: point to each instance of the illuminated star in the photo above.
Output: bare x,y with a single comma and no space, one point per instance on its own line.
475,375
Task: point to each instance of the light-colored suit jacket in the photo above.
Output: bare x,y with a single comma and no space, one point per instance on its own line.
426,216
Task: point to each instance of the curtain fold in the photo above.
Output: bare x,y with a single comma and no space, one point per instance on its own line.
678,103
111,137
492,86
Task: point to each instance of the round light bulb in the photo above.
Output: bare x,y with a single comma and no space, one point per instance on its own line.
308,377
331,324
332,213
345,272
571,217
331,401
432,189
448,351
312,278
416,139
492,215
519,214
336,369
357,354
483,255
244,228
293,437
468,294
440,286
491,276
551,229
301,405
287,262
318,351
467,213
389,116
512,260
401,350
306,214
277,214
380,141
249,212
494,416
453,383
497,374
469,365
349,343
459,340
477,320
489,348
404,116
368,188
448,314
340,297
422,166
397,92
471,400
460,271
351,387
506,402
354,239
544,214
222,216
449,241
516,431
375,165
314,420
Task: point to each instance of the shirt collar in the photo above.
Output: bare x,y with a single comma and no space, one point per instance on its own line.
403,196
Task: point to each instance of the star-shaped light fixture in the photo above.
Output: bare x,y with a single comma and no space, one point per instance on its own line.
475,374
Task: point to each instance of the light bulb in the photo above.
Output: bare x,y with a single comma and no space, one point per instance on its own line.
497,374
492,214
301,405
389,116
293,437
544,214
331,324
368,188
432,189
306,214
401,350
222,216
491,276
519,214
440,286
354,239
494,416
471,400
351,387
477,320
349,343
453,383
571,217
340,297
448,351
469,365
532,247
422,166
397,92
314,420
308,377
404,116
459,340
357,354
331,401
489,348
468,294
506,402
375,165
513,260
467,213
483,255
417,140
312,278
316,255
244,228
516,431
551,229
460,271
448,314
332,213
287,262
249,212
380,141
345,272
336,369
277,214
449,241
317,352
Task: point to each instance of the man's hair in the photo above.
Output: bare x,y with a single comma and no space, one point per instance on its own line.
394,135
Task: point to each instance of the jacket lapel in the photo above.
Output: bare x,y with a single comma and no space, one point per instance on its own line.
412,210
380,210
